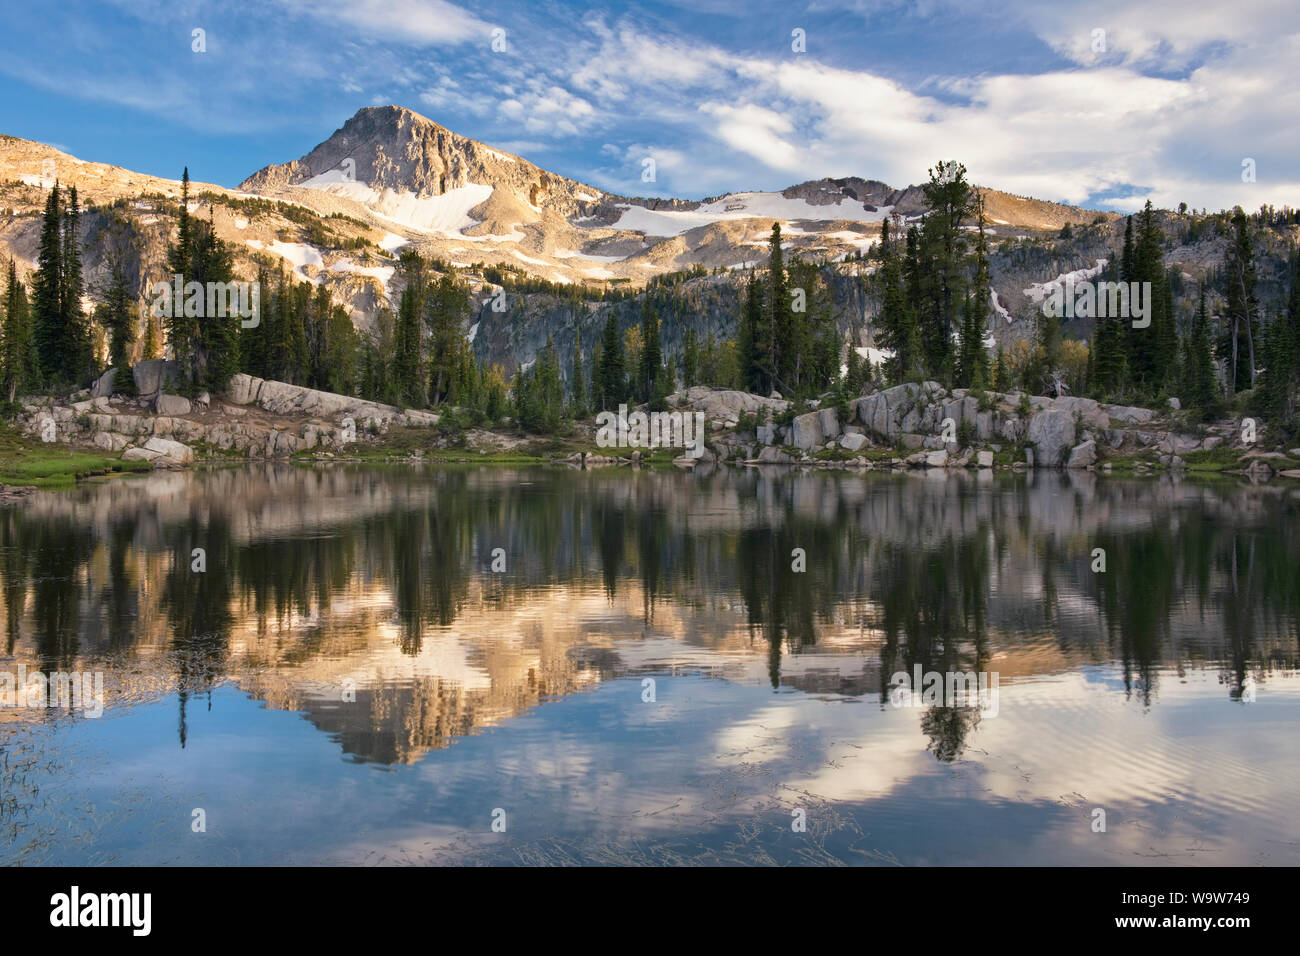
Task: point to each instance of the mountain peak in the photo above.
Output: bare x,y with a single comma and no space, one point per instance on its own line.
392,147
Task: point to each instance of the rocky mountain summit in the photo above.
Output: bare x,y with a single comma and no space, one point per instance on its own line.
460,199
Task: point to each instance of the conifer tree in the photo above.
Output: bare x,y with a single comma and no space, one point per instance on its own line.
854,373
539,393
813,365
75,345
117,314
61,331
896,324
973,360
613,378
651,352
152,347
20,369
181,330
1128,253
1109,352
577,383
755,344
1281,347
408,360
1239,283
597,387
999,373
1152,348
255,342
691,356
943,249
214,350
1198,385
341,352
47,290
779,334
445,311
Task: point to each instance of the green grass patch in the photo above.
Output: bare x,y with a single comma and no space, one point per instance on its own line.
1128,462
836,454
52,465
1222,458
883,454
206,451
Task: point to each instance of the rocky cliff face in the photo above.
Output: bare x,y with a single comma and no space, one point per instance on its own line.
394,149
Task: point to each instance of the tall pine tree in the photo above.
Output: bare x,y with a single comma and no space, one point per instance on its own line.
613,384
47,290
20,369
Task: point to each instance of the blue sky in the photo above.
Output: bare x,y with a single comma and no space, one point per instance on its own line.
1099,103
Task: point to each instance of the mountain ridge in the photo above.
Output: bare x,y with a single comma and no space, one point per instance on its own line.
344,231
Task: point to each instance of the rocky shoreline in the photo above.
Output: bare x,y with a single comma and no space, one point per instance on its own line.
911,426
928,426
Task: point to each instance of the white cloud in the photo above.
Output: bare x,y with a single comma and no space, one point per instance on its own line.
1118,128
403,21
548,109
756,131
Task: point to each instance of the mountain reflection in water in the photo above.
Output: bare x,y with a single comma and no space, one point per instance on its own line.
363,599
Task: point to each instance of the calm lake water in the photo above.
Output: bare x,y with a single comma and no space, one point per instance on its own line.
648,678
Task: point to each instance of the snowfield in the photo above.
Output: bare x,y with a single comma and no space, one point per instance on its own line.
299,254
528,259
447,214
383,273
573,254
1041,290
873,355
854,238
738,206
392,242
998,307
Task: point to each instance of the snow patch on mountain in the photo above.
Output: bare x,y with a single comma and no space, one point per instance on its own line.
528,259
573,254
853,238
873,355
392,242
1041,290
447,214
299,254
736,206
998,307
383,273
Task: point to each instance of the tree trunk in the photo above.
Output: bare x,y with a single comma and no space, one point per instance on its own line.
1236,335
1250,344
